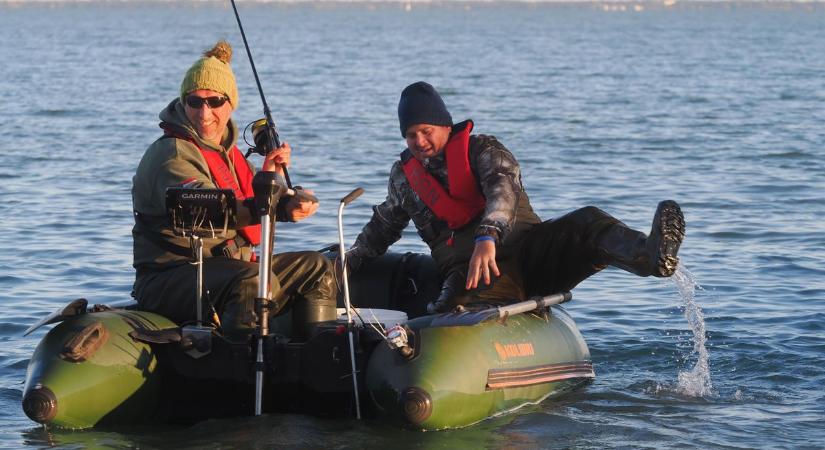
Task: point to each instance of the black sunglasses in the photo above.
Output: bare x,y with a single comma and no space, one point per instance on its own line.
193,101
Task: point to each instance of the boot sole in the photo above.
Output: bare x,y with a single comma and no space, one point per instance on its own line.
671,227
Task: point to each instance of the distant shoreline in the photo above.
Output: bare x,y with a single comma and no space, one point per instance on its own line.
605,6
651,4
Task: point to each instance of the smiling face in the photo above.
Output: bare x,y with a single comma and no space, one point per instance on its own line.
209,122
426,141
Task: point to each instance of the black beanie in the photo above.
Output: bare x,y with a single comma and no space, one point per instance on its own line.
420,103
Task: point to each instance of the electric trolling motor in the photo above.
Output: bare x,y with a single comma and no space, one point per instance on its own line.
267,194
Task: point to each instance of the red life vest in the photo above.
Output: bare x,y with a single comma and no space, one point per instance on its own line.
225,180
464,201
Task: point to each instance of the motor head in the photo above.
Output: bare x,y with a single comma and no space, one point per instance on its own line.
268,190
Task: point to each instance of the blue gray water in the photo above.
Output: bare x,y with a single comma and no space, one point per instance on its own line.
720,107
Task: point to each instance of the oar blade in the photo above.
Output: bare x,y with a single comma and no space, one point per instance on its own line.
75,307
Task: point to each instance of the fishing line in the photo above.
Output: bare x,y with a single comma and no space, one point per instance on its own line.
375,318
271,133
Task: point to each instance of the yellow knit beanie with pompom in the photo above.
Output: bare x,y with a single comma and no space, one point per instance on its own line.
212,72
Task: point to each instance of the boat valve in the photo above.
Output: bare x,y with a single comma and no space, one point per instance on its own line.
40,404
416,405
397,339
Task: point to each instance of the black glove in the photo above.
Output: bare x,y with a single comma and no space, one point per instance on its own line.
452,294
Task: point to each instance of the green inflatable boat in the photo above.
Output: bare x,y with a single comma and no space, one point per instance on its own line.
465,369
382,357
102,367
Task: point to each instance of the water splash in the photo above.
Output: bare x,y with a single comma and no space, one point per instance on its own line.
695,382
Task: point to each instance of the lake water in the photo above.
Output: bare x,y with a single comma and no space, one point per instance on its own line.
718,106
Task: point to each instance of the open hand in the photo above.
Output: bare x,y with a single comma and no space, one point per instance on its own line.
482,264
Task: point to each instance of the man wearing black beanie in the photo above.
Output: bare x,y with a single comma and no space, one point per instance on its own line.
464,194
420,103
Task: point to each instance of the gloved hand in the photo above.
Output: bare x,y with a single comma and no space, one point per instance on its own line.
452,294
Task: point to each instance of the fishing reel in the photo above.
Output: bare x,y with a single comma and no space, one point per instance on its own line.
264,138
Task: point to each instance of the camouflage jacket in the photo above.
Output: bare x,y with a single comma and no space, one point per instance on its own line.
507,215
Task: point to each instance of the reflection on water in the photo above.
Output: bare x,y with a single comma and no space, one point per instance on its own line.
719,106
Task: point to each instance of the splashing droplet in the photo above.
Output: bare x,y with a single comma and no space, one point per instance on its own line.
695,382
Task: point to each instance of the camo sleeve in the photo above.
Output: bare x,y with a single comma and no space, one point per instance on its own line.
384,228
500,178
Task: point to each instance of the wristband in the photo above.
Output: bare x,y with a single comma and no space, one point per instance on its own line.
484,238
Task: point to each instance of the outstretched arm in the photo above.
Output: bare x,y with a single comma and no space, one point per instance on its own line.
499,177
384,228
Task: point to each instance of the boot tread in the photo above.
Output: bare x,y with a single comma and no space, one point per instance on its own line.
669,224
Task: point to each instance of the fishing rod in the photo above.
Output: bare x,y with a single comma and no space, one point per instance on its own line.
272,140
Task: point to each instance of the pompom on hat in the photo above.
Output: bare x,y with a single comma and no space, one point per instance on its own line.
212,72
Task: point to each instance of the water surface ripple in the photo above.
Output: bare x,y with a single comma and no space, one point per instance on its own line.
719,107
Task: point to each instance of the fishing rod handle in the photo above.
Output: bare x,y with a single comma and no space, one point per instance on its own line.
302,195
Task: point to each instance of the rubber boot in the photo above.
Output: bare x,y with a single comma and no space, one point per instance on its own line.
654,254
316,307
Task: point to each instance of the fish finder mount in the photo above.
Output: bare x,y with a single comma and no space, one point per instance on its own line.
200,213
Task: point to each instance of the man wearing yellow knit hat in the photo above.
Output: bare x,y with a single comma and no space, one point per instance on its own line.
197,149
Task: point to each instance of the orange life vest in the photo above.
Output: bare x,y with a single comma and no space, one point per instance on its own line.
464,201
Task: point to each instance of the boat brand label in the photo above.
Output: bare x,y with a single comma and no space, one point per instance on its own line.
519,350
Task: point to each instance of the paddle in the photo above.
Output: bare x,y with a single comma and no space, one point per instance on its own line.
468,318
74,308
